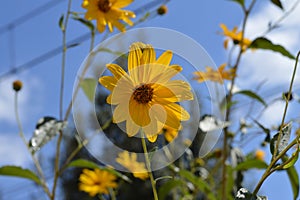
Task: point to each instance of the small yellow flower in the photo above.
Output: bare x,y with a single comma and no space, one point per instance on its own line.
130,162
215,75
96,181
146,97
235,36
170,133
108,12
260,155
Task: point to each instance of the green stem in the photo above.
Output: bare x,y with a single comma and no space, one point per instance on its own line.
64,51
35,160
225,141
148,165
270,170
286,106
275,158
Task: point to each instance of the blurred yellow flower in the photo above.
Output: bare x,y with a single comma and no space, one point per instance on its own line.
108,12
260,155
170,133
96,181
235,36
146,98
129,161
215,75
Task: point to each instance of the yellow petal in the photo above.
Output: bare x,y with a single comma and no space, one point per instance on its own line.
165,58
139,113
116,70
108,82
135,55
152,138
148,55
131,128
121,3
120,113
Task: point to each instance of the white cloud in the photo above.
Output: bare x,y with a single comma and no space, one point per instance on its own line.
264,65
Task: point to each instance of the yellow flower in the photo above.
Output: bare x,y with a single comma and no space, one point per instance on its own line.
146,98
108,12
235,36
170,133
130,162
96,181
260,155
215,75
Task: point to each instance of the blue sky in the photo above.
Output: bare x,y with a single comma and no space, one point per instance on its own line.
199,20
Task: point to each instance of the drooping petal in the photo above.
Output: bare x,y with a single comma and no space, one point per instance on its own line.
120,113
139,113
181,89
131,128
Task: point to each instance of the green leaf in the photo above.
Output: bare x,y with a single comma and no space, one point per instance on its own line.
294,180
89,164
85,22
167,187
264,43
241,2
60,23
83,163
88,85
19,172
277,3
252,95
251,164
291,161
199,183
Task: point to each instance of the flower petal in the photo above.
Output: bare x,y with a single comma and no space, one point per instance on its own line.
131,128
116,70
165,58
139,113
121,3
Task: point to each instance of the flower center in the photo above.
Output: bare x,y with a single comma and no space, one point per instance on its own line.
104,5
143,94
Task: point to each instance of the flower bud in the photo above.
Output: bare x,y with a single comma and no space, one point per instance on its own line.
17,85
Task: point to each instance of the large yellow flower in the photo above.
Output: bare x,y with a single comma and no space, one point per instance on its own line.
130,162
215,75
146,97
96,181
235,36
108,12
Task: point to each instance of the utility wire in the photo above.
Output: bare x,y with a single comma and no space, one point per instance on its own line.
28,16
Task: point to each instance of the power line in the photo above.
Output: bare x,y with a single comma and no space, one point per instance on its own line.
49,54
24,18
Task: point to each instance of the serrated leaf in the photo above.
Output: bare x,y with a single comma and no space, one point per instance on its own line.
85,22
199,183
89,164
88,86
264,43
251,164
252,95
167,187
241,2
60,23
20,173
277,3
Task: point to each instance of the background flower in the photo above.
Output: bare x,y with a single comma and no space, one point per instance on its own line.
96,181
108,12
